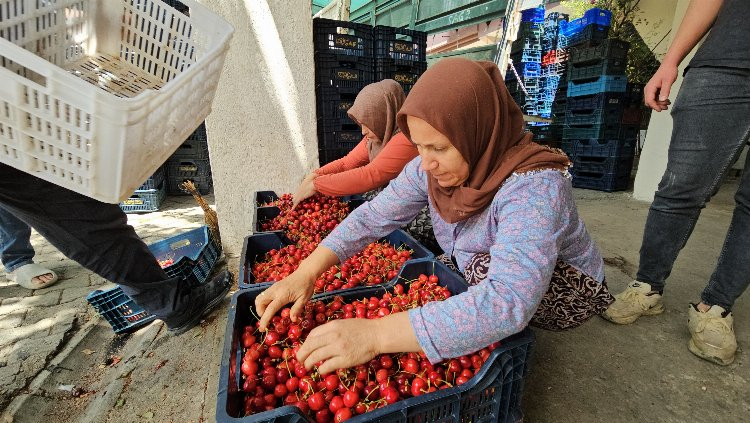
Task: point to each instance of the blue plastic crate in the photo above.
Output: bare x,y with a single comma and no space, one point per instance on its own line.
605,83
607,115
145,201
257,246
533,15
593,16
120,311
154,181
194,255
493,395
604,165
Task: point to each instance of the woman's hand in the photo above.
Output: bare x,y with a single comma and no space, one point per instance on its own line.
656,92
305,190
340,344
296,289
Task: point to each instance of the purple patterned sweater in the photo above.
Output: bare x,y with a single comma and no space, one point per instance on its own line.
531,223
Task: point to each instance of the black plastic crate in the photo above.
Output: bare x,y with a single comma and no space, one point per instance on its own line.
595,101
339,135
264,214
154,181
145,201
608,49
591,35
265,197
119,310
605,115
328,155
258,245
193,253
195,146
635,93
187,168
632,115
599,147
346,74
591,131
579,73
629,132
493,395
342,37
400,44
599,181
613,164
405,73
203,184
331,104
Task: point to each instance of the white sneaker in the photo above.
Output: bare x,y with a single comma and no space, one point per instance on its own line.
635,301
712,334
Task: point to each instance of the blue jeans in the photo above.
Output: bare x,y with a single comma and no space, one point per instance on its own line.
711,118
15,248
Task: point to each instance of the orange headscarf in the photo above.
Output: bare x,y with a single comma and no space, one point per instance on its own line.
375,107
468,103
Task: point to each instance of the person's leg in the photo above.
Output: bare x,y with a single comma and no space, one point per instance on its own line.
15,248
97,236
16,252
706,139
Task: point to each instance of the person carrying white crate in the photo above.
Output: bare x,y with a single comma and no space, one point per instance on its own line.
97,236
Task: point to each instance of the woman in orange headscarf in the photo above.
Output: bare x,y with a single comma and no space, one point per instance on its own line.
502,208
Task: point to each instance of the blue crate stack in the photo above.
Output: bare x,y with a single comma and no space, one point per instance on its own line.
344,64
601,147
190,162
524,80
553,80
149,196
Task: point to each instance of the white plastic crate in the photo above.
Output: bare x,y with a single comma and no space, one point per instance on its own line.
96,94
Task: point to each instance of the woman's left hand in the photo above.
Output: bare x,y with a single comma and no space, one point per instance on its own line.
340,344
305,190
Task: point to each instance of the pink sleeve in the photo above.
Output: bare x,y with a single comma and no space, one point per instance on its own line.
356,158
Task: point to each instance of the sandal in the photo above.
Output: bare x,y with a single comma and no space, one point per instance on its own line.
25,275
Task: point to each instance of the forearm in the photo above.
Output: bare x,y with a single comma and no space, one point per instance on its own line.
320,260
699,18
394,334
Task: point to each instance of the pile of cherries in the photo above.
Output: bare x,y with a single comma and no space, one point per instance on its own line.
272,376
379,262
311,220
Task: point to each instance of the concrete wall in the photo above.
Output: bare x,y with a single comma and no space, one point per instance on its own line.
261,132
653,160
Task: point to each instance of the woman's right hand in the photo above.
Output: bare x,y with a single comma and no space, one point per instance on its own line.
296,289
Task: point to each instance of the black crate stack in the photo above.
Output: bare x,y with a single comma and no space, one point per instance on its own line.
400,54
190,163
601,147
344,64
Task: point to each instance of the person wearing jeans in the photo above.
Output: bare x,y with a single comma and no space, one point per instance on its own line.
97,236
17,254
711,118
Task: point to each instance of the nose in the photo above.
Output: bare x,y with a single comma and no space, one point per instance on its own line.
428,163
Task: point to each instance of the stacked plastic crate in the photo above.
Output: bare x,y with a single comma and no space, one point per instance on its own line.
554,72
190,163
600,146
400,54
524,79
344,64
149,196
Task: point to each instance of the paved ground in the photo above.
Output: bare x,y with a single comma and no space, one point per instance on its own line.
59,362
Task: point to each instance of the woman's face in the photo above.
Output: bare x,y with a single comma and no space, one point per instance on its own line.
367,132
439,156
